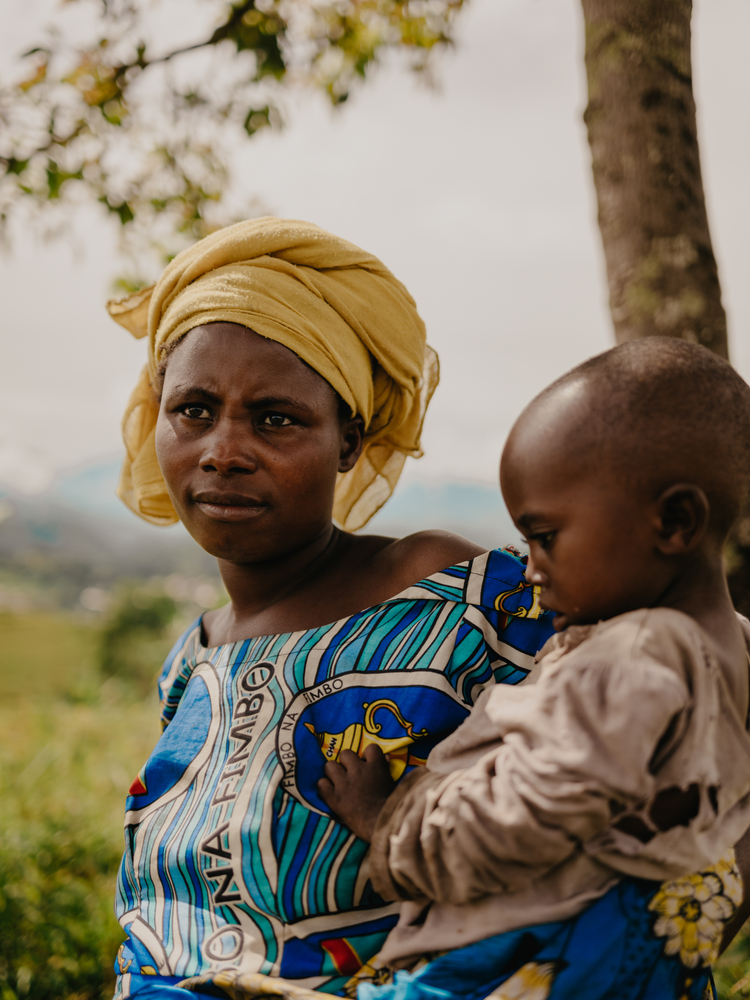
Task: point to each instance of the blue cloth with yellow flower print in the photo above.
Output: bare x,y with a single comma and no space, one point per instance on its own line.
640,941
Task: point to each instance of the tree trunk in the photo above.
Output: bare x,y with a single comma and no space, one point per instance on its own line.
642,132
652,213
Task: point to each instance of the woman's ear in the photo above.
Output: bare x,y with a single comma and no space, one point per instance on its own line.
352,442
683,512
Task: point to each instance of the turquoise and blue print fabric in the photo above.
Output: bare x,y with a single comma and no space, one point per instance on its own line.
232,860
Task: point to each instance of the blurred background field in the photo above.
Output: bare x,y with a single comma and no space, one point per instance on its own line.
65,764
85,623
78,717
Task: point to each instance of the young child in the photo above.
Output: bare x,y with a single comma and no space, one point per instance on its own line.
532,845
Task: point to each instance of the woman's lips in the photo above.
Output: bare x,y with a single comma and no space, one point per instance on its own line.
230,508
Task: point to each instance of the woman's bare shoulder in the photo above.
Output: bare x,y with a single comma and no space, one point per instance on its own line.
418,556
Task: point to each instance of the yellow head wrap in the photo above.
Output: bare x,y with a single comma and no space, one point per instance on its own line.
337,307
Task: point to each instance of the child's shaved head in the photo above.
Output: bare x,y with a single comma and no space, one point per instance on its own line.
654,412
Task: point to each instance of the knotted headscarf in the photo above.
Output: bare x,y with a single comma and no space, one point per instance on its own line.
338,308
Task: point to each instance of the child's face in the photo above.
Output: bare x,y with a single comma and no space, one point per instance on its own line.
591,538
249,442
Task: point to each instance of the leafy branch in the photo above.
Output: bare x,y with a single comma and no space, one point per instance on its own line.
147,132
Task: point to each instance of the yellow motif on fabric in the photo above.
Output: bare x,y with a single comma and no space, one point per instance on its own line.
249,986
693,910
521,612
533,981
374,972
122,965
360,735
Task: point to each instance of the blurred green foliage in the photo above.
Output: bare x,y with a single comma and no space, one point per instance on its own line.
46,654
57,933
104,107
732,973
132,640
70,745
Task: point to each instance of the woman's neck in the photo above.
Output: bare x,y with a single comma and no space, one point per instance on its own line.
255,588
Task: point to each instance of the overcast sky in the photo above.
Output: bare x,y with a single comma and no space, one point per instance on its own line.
478,196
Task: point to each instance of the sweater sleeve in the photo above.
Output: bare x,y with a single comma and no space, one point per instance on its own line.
571,752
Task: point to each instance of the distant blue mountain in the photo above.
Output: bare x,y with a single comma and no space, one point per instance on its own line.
91,489
475,510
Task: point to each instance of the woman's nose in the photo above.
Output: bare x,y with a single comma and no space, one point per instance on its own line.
229,449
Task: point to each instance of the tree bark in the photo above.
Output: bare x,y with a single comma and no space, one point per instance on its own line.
642,131
661,268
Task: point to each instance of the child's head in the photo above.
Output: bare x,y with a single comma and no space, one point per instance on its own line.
626,470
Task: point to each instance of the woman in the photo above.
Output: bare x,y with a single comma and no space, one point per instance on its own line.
287,383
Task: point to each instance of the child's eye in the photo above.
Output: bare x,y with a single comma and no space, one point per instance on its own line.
276,420
544,539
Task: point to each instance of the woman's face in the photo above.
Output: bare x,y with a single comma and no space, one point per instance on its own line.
249,441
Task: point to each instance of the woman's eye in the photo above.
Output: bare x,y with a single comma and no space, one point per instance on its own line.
276,420
196,412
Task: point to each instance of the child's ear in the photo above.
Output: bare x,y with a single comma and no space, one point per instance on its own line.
683,511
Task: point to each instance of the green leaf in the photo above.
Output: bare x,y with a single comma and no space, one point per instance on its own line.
14,166
121,209
257,118
57,177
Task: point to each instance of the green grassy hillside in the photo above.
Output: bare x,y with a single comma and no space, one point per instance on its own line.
45,655
69,748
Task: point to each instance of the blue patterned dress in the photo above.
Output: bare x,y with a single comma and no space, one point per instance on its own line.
232,861
640,941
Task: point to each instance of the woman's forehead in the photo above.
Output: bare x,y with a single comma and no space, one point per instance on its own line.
232,354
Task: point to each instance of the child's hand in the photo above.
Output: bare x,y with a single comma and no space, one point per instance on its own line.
355,790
